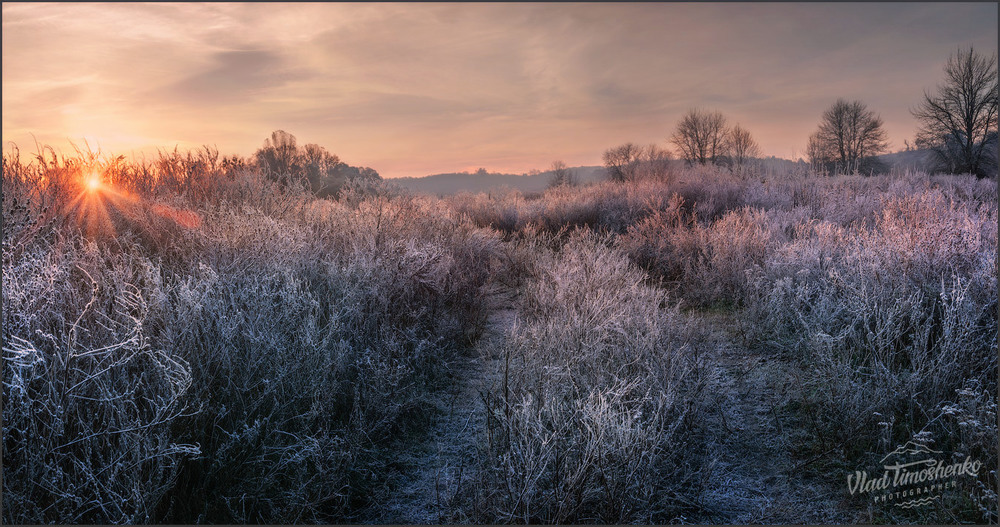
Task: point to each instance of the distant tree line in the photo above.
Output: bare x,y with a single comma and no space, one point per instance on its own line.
705,138
562,176
702,137
958,125
631,161
310,165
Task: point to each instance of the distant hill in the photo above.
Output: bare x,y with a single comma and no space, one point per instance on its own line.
907,159
481,181
771,166
903,160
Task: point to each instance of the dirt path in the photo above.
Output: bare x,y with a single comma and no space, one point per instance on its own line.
435,476
434,472
757,479
750,433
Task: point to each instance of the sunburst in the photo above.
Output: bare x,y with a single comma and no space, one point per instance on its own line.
100,205
89,207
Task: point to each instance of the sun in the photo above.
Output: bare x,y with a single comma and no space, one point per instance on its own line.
91,205
93,182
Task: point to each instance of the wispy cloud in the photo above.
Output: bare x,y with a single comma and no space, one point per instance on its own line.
231,78
412,88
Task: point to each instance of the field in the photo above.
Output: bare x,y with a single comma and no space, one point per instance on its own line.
192,341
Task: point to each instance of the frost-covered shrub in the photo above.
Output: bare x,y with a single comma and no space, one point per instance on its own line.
891,319
314,359
89,399
705,265
592,399
252,366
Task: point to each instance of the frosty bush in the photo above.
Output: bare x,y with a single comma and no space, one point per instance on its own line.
217,347
892,319
252,367
588,416
88,400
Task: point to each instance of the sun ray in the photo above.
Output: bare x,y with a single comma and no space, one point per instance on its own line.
102,209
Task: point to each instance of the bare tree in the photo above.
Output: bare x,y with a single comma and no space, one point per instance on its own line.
279,155
959,123
848,138
562,175
622,161
701,137
654,163
820,154
319,166
310,166
741,148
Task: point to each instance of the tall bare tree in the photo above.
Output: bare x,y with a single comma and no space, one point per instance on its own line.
701,137
851,135
741,148
959,122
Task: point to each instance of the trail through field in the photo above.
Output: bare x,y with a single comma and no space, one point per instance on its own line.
435,476
757,480
750,432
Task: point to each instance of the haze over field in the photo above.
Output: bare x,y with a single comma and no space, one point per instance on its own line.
417,89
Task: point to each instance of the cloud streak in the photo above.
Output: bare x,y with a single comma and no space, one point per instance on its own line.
232,77
417,88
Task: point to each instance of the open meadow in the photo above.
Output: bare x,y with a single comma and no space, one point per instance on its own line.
194,340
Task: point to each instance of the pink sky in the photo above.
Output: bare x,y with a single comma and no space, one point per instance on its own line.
416,89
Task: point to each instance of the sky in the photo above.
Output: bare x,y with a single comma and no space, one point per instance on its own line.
415,89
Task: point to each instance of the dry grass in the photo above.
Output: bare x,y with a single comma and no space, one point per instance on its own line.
205,345
883,288
593,399
248,368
